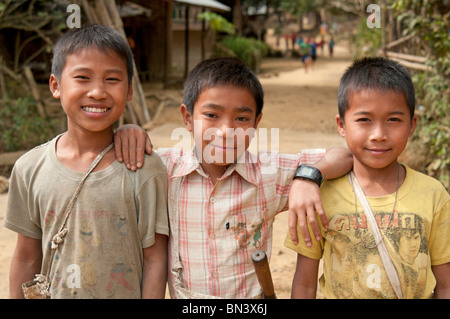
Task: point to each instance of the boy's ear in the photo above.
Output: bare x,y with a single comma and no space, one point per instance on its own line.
187,117
340,125
130,92
54,86
258,119
413,126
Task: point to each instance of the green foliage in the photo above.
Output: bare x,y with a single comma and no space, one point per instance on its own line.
20,126
429,22
249,50
300,7
367,41
28,22
217,22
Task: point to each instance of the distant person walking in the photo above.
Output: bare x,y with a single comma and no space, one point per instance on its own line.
331,46
293,39
313,50
321,45
286,38
304,50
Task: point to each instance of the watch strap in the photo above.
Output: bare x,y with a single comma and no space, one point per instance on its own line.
309,173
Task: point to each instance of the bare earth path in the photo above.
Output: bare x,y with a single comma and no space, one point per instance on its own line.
301,105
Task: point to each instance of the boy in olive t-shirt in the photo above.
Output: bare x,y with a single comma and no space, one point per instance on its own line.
116,244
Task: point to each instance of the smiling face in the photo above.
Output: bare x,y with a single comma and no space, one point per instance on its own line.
93,89
223,120
376,127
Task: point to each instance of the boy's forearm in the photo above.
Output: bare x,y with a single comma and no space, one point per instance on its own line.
304,284
337,162
154,275
154,282
20,273
25,264
302,292
442,274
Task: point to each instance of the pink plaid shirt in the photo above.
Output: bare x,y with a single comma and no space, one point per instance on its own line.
214,229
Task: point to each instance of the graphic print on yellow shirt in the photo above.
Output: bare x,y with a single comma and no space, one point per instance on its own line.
352,247
416,235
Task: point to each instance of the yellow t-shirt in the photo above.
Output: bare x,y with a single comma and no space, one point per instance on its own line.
416,234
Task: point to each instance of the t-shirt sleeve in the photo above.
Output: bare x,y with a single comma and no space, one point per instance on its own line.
440,235
152,205
311,156
18,215
313,252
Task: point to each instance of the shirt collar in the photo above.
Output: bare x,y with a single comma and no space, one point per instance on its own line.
247,166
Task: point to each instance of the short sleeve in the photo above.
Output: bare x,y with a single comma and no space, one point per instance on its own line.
439,243
313,252
18,215
152,204
311,156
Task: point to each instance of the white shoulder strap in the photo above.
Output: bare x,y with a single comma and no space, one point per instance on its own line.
386,259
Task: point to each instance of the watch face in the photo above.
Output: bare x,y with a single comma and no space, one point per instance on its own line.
307,171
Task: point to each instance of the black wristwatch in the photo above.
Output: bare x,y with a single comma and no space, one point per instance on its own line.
309,173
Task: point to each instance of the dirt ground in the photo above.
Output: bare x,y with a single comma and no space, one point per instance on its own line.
301,105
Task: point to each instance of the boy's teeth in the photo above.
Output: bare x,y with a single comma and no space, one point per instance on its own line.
94,109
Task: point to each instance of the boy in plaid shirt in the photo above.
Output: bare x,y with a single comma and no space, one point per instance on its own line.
222,198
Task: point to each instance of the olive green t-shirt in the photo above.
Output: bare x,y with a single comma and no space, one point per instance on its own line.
116,215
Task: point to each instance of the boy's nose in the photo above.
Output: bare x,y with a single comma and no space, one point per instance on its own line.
225,129
97,91
378,133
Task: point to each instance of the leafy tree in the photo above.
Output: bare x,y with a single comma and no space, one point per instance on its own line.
428,22
26,23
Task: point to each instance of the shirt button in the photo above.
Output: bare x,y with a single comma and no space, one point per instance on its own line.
215,274
213,235
212,199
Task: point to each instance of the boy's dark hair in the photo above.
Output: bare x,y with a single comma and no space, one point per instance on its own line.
94,36
378,74
221,71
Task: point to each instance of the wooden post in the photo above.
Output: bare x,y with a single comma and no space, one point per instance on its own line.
186,42
105,12
34,91
262,270
168,43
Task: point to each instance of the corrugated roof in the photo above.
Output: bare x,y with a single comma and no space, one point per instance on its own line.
212,4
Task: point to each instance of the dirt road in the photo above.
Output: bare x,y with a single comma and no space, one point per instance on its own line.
301,105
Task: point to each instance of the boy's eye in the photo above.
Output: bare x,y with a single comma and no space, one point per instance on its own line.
394,119
81,77
113,79
362,119
242,119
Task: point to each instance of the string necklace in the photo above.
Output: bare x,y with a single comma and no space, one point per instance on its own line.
390,217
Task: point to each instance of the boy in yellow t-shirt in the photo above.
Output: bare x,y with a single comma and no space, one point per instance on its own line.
411,210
